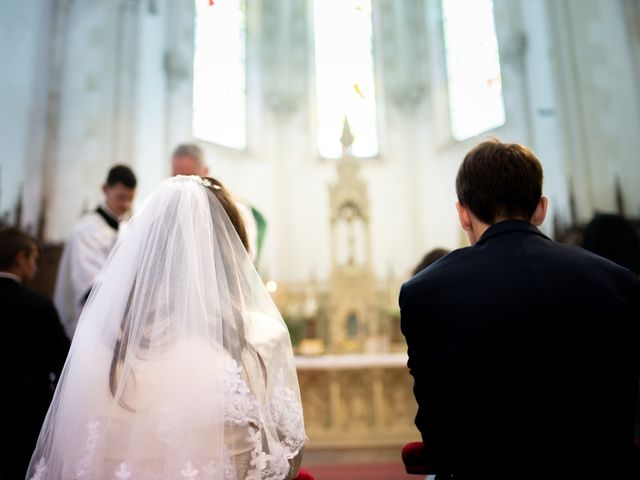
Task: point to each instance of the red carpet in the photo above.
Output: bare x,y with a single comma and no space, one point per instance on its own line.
361,472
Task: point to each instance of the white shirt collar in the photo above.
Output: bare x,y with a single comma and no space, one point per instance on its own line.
10,276
109,212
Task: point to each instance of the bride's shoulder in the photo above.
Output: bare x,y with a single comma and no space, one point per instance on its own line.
264,332
261,322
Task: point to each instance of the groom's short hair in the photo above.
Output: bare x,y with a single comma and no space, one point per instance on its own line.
500,181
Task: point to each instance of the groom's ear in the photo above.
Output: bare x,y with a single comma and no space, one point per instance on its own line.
540,212
463,215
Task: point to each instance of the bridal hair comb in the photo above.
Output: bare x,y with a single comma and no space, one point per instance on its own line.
191,178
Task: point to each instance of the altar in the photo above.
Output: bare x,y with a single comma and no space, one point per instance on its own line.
357,402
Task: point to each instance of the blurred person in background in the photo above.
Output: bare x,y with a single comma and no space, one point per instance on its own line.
614,238
430,257
89,245
33,354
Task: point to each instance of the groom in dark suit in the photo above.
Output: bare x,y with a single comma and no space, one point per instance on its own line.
33,352
524,352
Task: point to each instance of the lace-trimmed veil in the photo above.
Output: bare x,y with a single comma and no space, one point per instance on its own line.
181,366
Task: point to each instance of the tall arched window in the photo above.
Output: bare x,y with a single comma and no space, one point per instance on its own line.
473,67
219,79
345,84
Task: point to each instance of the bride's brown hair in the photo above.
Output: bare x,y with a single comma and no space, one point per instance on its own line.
229,205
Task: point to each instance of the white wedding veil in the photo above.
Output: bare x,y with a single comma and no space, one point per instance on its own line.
181,366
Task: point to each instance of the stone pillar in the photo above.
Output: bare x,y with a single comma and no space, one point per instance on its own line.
178,68
57,47
125,81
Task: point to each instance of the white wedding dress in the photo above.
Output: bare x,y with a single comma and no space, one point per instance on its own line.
181,366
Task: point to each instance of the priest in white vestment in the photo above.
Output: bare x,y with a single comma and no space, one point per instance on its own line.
89,245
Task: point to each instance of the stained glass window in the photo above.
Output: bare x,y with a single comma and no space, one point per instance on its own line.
345,84
219,80
473,67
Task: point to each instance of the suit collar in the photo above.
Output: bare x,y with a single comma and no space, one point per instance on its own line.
10,276
508,226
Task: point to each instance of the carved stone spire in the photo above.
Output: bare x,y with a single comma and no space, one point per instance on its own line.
347,137
352,317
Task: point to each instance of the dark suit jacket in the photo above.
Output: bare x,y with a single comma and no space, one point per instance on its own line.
33,352
524,354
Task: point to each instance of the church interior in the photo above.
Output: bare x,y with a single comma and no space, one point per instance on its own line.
344,123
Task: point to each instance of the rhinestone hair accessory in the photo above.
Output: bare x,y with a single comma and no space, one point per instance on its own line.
190,178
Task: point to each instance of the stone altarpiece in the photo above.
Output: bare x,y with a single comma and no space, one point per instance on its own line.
359,401
352,315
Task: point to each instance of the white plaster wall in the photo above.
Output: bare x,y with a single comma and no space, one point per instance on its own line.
24,31
599,101
86,143
530,101
151,150
544,123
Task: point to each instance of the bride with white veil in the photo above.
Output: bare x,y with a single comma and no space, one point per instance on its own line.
181,366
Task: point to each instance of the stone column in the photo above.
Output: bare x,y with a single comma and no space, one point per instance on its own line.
178,68
57,47
125,81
